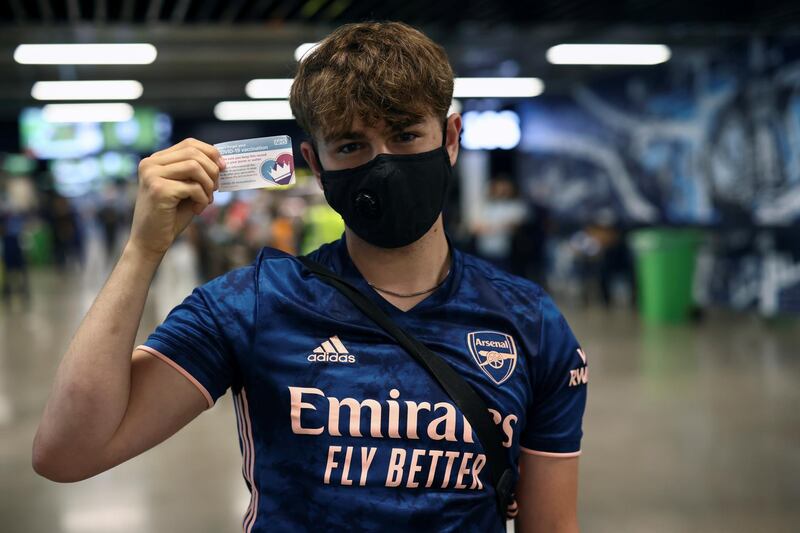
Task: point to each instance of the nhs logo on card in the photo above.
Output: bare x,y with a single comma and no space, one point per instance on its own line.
281,140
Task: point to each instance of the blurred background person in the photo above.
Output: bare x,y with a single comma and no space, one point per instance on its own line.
498,221
110,216
15,269
66,228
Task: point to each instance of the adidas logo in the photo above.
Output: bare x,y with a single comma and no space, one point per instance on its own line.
331,351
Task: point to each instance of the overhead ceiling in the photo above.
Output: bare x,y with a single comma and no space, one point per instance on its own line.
417,11
208,50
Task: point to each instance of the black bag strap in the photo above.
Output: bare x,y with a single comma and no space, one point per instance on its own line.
461,392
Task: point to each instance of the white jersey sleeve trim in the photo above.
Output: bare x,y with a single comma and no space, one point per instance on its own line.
179,368
549,454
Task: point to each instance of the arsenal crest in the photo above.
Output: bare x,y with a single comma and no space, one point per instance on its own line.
494,352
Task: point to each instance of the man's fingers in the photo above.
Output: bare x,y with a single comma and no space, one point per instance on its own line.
182,190
206,148
189,153
186,170
210,151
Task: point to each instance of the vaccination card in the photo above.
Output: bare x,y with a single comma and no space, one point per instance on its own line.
256,163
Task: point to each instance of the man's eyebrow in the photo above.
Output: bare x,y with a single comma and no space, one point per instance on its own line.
355,135
405,125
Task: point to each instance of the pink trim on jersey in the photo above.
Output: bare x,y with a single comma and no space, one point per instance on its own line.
179,368
237,404
245,447
248,457
238,407
549,454
250,518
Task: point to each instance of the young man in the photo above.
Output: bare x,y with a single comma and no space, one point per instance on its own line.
339,427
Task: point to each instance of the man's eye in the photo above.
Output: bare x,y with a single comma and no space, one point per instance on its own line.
348,148
407,136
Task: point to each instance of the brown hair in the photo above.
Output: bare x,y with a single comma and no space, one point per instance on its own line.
373,71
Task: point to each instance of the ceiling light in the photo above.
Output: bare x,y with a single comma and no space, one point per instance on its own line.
489,130
303,49
87,112
85,54
608,54
253,110
269,88
87,90
497,87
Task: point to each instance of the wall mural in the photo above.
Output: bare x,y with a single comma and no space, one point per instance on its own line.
710,140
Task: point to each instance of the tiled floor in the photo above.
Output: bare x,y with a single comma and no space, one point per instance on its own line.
691,428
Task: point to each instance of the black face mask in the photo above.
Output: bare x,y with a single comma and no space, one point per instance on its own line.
392,200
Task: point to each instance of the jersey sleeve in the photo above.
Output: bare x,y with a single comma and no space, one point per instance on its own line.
555,417
201,337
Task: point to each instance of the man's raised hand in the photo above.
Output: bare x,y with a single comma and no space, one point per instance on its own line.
174,185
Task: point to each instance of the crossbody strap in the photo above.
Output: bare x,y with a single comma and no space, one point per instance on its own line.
461,392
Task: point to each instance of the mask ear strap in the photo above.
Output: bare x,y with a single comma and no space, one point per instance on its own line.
444,133
316,154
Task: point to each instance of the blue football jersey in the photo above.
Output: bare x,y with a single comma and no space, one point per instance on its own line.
339,428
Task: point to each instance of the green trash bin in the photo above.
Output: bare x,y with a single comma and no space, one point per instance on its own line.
665,264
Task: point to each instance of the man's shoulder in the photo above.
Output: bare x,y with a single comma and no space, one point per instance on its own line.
523,298
274,258
273,265
480,270
245,278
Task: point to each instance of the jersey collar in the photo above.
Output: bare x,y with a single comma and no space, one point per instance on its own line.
344,265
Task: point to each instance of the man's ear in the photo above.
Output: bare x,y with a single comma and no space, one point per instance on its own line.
307,149
453,131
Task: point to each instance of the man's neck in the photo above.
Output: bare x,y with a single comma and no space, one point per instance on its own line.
409,269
